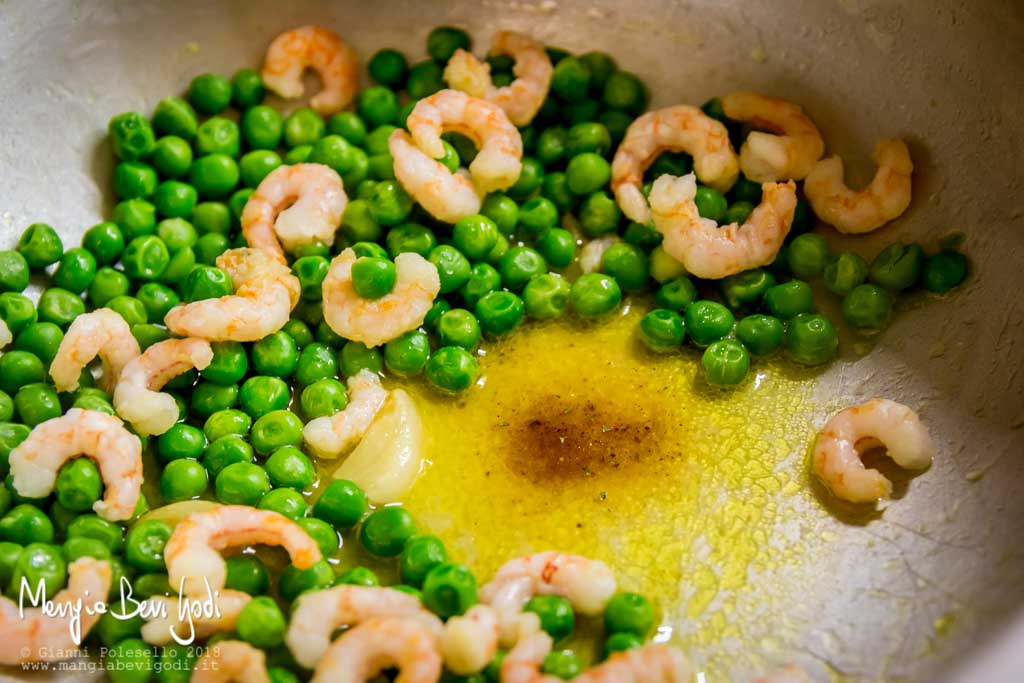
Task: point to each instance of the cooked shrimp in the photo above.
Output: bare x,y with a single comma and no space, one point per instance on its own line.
231,661
102,333
787,152
522,663
853,212
298,205
161,630
469,642
266,291
587,584
592,253
522,98
331,436
378,644
317,614
193,551
708,250
879,422
499,161
376,321
322,50
681,128
787,674
446,196
137,397
29,635
117,452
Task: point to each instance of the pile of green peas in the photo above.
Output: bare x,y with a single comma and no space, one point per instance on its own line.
182,178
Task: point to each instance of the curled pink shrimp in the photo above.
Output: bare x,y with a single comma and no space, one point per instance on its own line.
325,52
102,333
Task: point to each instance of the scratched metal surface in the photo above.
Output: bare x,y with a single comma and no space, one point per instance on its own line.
904,596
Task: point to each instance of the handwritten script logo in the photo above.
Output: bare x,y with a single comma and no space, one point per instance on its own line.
70,610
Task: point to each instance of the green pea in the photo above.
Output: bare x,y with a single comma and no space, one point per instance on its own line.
495,255
388,67
261,394
452,369
149,585
737,213
538,215
443,41
210,246
129,308
214,175
303,127
425,79
556,615
276,429
298,155
18,369
106,285
210,93
377,105
36,403
77,266
627,264
42,339
502,211
587,173
595,294
59,306
91,526
39,563
390,204
623,90
321,532
746,191
529,180
616,122
761,334
208,398
356,356
246,88
135,218
571,79
789,299
288,467
483,279
341,504
261,623
145,258
316,361
17,311
183,479
229,363
629,613
131,136
78,485
226,450
458,327
588,137
710,203
262,127
746,288
14,271
867,307
453,267
420,555
662,330
898,266
944,271
448,589
275,355
620,642
551,145
248,574
295,581
299,332
499,312
241,483
357,576
599,214
558,247
24,524
206,282
76,548
117,624
437,309
811,339
157,300
225,422
725,362
144,544
175,116
130,661
40,245
256,165
181,441
519,264
6,414
134,179
475,236
175,663
808,255
845,272
708,321
285,502
373,277
408,354
385,532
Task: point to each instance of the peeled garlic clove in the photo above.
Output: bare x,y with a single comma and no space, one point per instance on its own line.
386,462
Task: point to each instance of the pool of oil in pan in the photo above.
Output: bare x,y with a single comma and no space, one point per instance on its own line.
581,440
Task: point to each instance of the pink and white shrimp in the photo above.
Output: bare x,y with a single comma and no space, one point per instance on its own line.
836,458
231,661
587,584
444,195
266,291
522,98
162,630
193,554
102,333
469,642
29,635
333,435
318,614
322,50
382,643
137,397
856,212
117,452
681,128
789,151
499,160
711,251
377,321
298,205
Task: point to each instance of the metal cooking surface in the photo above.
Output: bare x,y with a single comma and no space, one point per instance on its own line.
899,596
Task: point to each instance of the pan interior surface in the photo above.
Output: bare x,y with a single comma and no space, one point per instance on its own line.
899,595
